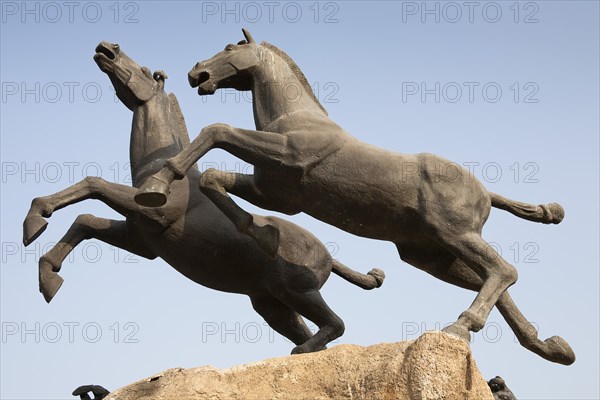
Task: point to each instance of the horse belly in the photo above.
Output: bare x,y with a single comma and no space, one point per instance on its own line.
379,194
205,247
365,194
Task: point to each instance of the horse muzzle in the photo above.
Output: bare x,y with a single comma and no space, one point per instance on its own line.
106,54
203,81
207,88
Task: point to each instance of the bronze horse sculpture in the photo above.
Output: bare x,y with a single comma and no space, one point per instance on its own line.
189,232
305,162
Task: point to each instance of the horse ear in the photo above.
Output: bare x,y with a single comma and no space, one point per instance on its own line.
248,36
158,75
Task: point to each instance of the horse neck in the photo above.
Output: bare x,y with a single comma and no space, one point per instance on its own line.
153,137
277,91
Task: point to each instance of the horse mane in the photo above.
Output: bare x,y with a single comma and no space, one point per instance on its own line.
178,122
297,72
177,117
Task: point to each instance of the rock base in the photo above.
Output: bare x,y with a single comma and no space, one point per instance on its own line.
435,366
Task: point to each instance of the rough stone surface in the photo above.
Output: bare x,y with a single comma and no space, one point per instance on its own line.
435,366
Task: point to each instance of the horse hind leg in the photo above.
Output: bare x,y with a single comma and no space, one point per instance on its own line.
281,318
496,275
554,349
311,305
456,272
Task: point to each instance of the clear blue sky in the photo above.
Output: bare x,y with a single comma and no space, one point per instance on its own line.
517,100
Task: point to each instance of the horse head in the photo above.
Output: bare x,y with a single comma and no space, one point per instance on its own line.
227,69
278,86
134,85
158,129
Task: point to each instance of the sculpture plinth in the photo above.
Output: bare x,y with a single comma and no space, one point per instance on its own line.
435,366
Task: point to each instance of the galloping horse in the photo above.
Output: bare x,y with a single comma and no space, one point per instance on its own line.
189,232
305,162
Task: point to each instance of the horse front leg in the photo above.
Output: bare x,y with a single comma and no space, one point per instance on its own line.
86,226
217,185
116,196
262,149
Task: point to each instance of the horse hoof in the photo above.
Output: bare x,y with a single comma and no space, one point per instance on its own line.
33,227
153,193
267,238
299,350
559,351
50,281
302,349
458,331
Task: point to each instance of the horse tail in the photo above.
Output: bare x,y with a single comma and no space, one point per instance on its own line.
371,280
551,213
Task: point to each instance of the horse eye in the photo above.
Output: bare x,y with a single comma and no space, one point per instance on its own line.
229,47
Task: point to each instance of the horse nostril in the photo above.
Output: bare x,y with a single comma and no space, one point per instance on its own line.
198,79
203,77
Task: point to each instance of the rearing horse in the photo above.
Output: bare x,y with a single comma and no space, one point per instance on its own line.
189,232
432,209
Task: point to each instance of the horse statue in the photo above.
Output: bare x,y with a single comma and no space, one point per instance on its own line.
432,209
499,389
83,392
189,232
